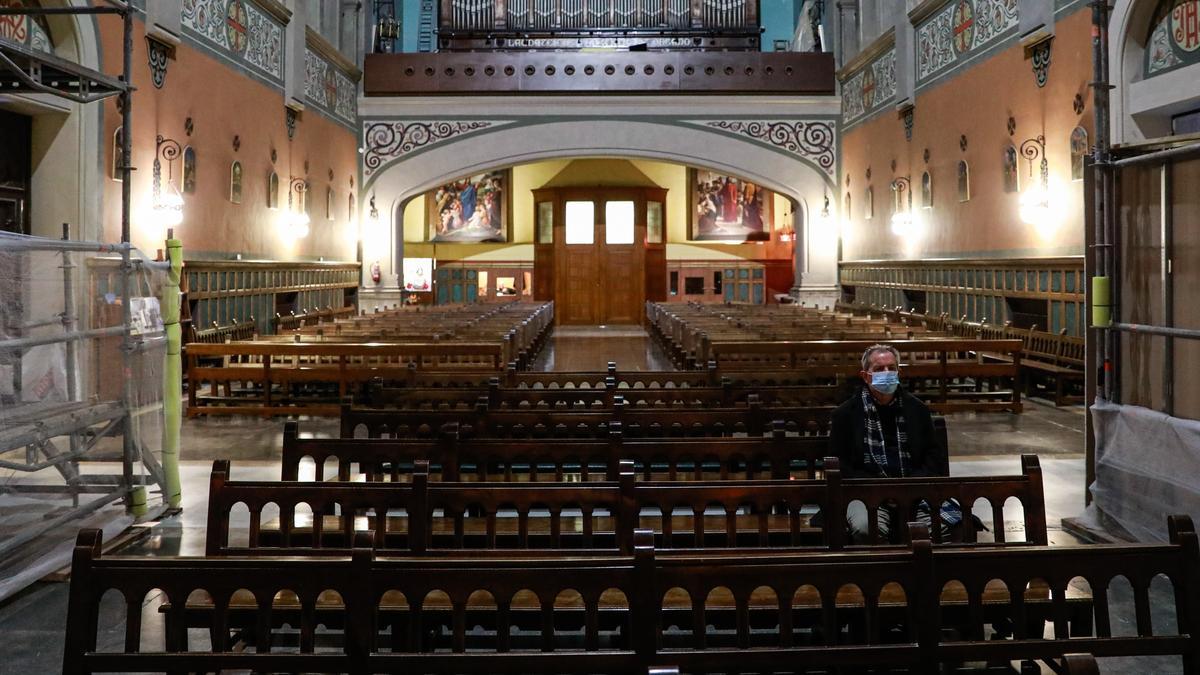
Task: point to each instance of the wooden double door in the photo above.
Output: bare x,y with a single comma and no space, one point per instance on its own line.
592,250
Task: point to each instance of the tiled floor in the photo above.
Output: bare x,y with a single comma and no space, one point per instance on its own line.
32,622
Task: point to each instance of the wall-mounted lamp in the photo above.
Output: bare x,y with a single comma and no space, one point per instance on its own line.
373,212
1035,205
296,219
168,202
902,220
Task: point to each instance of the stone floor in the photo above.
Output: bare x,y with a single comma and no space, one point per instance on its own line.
986,443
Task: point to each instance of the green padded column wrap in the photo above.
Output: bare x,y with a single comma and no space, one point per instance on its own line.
1101,302
172,375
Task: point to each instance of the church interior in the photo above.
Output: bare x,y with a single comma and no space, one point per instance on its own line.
599,336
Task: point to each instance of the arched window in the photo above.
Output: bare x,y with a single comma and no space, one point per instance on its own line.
869,204
1012,181
273,191
964,181
117,147
926,191
189,170
848,213
329,203
1079,150
235,183
350,207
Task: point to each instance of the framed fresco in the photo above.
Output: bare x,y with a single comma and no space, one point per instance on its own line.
1012,182
470,210
1079,150
728,208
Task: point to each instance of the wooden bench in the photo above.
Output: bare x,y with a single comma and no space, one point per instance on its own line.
1056,357
754,419
217,334
266,373
935,370
449,516
617,614
776,455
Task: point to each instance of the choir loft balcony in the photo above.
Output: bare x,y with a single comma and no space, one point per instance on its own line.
598,46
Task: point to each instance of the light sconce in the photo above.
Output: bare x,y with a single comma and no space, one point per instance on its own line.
902,219
1035,205
168,202
297,218
373,212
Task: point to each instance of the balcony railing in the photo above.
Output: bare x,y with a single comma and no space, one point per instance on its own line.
467,25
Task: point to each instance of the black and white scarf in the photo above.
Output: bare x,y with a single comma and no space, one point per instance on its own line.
876,450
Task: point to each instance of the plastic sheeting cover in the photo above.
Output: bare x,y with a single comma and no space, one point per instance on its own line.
1147,467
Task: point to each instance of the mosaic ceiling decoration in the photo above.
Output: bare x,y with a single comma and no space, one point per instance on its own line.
1174,37
240,31
870,89
959,31
330,89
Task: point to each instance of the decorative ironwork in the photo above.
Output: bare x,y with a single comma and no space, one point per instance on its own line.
1040,55
811,140
962,142
290,120
1033,149
387,141
158,53
166,149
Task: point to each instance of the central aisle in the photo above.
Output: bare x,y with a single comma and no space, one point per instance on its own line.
590,348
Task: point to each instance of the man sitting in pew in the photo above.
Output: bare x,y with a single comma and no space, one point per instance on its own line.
883,431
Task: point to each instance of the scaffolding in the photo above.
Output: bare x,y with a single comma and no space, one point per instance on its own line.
71,312
1143,455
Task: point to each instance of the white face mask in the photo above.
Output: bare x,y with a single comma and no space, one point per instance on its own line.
885,381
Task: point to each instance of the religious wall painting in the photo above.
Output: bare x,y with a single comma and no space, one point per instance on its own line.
273,191
1174,39
869,203
926,191
728,208
1012,181
964,181
1079,150
870,89
471,209
189,170
235,183
238,30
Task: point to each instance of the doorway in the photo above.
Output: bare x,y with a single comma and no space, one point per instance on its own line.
597,246
15,175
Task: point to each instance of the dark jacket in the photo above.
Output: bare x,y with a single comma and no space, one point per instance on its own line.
847,438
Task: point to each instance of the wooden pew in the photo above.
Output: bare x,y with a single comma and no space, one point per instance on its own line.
934,370
267,372
631,612
491,516
776,455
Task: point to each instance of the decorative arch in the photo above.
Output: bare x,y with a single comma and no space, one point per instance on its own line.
1154,79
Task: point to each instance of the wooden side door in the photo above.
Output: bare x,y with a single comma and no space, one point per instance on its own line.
577,263
620,245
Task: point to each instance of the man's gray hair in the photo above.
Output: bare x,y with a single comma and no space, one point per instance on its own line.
875,349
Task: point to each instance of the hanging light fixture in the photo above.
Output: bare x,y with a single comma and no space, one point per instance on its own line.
296,220
902,219
168,202
1036,206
